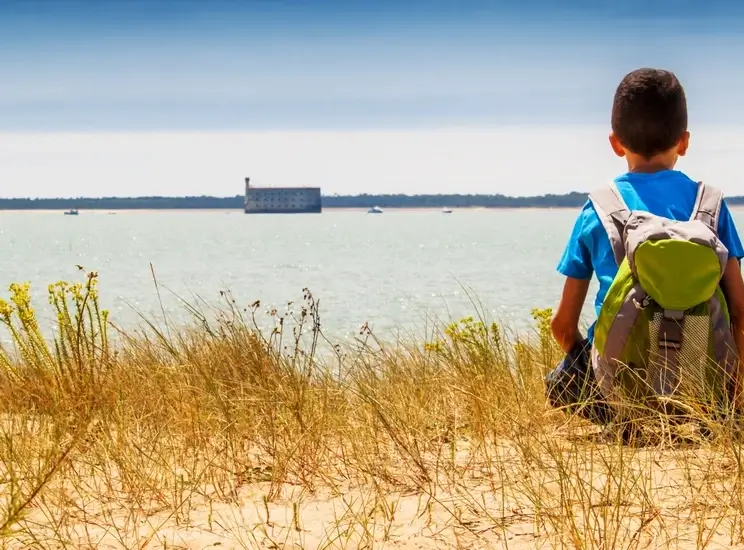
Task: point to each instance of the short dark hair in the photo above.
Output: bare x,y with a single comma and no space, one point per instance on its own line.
649,112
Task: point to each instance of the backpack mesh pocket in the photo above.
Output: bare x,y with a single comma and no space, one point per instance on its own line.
688,377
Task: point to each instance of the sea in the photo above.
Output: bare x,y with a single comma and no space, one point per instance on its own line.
403,273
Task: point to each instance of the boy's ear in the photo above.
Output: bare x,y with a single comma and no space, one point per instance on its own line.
683,144
617,147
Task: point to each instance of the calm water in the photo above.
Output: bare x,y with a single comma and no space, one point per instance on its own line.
394,270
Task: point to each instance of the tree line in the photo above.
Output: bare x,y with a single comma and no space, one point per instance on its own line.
568,200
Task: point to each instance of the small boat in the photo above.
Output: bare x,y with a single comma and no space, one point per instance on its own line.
72,212
375,210
446,210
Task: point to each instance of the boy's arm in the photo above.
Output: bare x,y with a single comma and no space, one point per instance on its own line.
732,285
565,321
576,266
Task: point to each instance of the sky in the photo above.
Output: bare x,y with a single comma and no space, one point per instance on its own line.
104,98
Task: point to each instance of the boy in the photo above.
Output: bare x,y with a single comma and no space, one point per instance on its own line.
649,129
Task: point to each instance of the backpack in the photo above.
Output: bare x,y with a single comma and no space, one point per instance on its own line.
663,336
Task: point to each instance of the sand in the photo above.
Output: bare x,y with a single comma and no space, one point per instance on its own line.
478,508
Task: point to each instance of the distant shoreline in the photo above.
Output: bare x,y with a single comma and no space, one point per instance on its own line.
573,200
101,212
329,202
114,211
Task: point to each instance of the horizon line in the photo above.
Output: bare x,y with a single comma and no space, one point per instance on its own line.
334,195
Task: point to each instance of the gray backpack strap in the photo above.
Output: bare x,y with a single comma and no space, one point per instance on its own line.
707,207
614,215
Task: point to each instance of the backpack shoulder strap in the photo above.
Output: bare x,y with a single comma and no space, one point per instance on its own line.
707,207
614,215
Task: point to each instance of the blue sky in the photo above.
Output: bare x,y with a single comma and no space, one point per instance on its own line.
216,65
202,69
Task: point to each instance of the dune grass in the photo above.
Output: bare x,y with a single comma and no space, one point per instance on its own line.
221,434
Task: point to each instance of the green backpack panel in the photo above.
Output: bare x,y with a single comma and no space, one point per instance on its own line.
663,336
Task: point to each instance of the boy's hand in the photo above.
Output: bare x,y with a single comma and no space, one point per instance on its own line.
565,322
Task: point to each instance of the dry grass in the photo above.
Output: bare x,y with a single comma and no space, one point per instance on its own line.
220,435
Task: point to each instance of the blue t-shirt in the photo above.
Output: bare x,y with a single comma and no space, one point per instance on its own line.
668,193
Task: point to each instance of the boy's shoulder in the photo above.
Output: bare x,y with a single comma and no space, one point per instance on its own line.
587,218
587,227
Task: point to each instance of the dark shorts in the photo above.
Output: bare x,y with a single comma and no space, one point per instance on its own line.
573,386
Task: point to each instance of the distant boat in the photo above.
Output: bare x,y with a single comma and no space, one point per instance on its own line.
375,210
72,212
446,210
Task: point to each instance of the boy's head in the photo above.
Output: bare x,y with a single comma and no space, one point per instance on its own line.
649,117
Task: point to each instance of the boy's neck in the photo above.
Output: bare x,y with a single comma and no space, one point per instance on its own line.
658,163
649,168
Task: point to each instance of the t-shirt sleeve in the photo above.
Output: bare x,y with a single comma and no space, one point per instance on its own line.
576,261
728,234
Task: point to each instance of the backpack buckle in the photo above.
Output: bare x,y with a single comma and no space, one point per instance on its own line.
671,329
643,304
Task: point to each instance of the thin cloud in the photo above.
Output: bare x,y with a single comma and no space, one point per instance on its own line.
511,160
